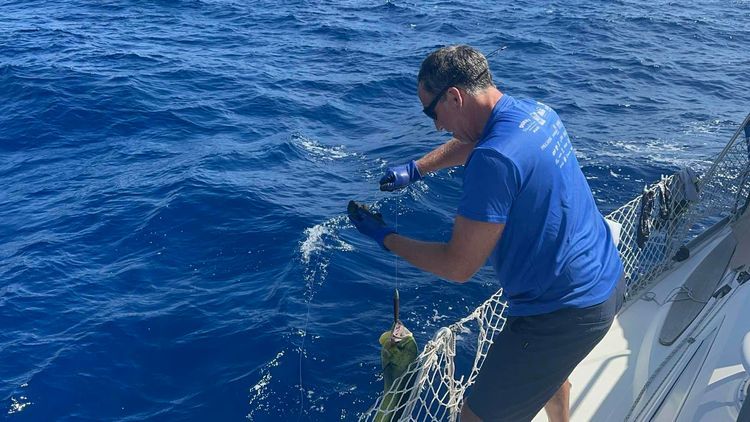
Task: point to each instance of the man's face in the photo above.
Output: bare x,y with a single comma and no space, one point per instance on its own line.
429,109
433,106
444,112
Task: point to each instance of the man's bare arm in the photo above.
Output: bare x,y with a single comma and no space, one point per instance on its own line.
450,154
458,260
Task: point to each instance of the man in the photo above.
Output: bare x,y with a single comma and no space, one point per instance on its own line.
527,207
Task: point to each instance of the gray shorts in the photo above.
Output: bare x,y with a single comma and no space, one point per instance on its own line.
533,355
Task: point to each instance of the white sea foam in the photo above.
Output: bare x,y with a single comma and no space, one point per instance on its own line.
323,237
318,150
259,392
657,151
712,126
18,405
313,242
319,240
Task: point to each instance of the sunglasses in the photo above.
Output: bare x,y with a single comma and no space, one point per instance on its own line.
430,109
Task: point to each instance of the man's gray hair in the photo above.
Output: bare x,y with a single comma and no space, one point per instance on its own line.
455,65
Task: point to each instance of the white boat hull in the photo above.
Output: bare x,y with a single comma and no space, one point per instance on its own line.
631,375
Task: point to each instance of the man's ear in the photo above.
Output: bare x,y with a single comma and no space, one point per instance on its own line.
455,96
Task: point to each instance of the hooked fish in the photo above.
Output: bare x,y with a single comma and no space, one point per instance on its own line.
399,350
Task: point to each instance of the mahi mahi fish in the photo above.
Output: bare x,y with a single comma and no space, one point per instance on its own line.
399,350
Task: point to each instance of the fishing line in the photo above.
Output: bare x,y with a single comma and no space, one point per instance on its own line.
398,282
301,351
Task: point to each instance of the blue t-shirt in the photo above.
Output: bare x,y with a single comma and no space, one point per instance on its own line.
556,250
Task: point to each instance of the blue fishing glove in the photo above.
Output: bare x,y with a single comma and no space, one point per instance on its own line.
368,223
400,176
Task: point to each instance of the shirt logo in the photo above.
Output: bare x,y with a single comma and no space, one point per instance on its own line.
536,119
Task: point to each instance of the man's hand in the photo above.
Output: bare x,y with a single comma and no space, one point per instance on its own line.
400,176
368,223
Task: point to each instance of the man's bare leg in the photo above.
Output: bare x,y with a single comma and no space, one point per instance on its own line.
558,406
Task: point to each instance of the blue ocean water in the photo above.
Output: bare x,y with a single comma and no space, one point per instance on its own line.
175,176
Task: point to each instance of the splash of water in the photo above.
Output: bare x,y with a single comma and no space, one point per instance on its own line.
18,405
315,250
259,392
320,151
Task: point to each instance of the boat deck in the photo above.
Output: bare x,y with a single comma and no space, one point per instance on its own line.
696,374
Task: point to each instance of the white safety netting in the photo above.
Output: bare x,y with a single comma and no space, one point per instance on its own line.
653,231
429,390
674,218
